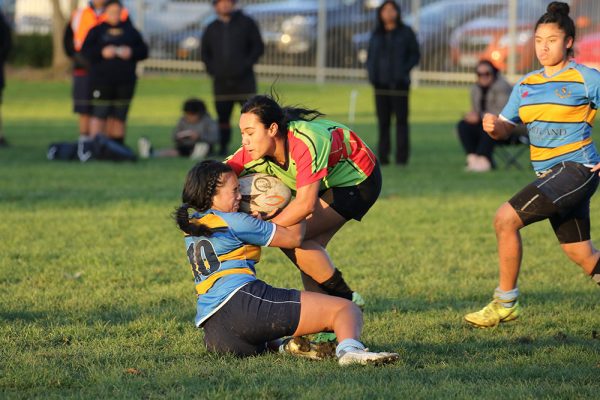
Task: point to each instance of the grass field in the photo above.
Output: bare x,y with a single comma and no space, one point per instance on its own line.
96,300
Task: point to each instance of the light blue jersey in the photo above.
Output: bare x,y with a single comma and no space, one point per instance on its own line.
224,262
559,111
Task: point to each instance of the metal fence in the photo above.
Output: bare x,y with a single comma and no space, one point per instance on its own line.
328,39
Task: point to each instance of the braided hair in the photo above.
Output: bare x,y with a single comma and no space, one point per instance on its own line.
557,13
201,184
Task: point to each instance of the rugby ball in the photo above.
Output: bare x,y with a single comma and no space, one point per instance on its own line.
263,193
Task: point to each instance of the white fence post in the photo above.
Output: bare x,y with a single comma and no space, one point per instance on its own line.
415,7
321,42
511,67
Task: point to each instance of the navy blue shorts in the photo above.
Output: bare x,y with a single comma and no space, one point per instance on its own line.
112,100
82,94
562,195
255,315
353,202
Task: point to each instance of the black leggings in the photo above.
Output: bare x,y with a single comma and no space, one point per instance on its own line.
474,139
224,109
388,102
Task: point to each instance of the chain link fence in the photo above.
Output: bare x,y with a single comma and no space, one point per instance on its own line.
328,39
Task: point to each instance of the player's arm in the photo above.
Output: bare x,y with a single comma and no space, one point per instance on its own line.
288,237
265,233
497,127
301,207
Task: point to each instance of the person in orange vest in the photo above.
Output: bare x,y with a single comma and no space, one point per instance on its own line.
113,49
81,22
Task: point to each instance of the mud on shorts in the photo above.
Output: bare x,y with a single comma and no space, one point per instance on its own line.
561,194
353,202
255,315
112,100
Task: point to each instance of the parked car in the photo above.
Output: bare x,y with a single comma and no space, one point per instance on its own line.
289,30
587,50
488,38
436,23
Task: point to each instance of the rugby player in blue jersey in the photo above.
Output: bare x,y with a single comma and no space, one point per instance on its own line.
239,313
558,104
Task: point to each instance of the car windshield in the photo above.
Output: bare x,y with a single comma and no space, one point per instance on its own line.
527,10
441,13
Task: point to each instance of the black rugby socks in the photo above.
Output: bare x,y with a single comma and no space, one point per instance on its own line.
336,286
596,273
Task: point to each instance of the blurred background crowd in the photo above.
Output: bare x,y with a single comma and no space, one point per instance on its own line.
324,39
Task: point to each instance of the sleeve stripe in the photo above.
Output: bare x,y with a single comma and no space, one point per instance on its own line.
272,234
503,118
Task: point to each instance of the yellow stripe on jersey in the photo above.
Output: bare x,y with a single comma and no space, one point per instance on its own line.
205,285
570,75
542,154
211,221
590,117
245,252
554,113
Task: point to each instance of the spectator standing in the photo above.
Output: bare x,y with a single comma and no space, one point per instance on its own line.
5,46
193,135
113,50
393,53
488,95
81,22
231,45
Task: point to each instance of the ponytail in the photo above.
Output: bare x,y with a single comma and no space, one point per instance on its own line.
182,217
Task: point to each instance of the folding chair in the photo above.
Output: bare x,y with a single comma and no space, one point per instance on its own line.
510,150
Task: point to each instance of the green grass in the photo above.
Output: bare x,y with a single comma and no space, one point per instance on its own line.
96,300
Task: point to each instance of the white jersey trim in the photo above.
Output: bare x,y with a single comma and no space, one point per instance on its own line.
503,118
272,234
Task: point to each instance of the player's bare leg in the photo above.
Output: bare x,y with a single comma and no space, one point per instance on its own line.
510,249
321,312
311,257
318,271
97,125
504,307
115,129
583,254
84,125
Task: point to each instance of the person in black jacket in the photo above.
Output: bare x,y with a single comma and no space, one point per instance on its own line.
5,46
113,49
393,52
230,47
81,22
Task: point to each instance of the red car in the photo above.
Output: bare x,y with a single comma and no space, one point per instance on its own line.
488,38
587,50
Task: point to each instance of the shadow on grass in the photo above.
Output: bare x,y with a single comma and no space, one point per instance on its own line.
467,302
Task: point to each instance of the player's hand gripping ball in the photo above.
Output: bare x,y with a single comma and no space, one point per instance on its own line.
263,193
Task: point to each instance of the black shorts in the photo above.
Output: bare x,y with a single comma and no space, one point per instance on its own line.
562,194
353,202
82,94
255,315
112,100
184,151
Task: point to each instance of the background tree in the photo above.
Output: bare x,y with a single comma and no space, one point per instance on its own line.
60,17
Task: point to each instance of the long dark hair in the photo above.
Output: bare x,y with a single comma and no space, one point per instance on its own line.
557,12
268,111
201,184
379,28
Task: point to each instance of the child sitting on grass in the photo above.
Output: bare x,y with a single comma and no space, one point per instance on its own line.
194,134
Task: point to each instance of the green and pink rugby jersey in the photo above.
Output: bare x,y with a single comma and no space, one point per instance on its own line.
318,150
